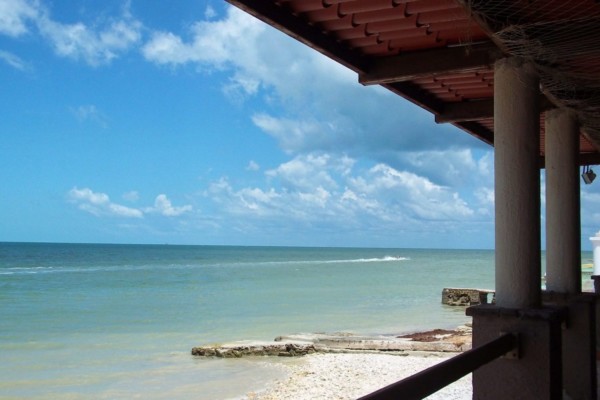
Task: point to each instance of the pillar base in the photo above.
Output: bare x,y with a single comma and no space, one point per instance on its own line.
578,343
536,373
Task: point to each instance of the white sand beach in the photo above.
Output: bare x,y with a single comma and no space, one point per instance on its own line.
349,376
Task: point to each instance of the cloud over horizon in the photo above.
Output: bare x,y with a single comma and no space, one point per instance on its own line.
266,139
99,204
313,190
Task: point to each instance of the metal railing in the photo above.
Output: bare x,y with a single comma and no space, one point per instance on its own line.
434,378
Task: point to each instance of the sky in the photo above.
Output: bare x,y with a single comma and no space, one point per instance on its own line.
191,122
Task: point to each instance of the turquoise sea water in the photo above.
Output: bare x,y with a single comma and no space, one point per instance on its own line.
118,321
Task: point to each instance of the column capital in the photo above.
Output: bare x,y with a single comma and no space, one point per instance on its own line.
552,114
517,62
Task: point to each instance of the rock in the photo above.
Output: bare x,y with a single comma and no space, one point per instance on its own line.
465,297
289,346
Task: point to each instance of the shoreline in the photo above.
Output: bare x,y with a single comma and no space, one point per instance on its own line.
346,366
298,345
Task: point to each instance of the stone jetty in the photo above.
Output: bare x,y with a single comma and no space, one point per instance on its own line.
302,344
466,297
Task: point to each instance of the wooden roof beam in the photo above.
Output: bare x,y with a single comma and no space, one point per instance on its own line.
476,110
583,159
409,66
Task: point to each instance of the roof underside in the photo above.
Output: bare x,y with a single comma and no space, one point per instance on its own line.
439,54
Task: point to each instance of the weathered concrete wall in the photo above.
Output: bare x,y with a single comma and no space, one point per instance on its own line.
537,371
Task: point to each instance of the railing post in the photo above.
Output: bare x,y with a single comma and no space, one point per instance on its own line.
537,373
434,378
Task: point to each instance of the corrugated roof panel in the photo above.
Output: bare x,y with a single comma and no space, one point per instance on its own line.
361,42
585,145
393,25
417,43
305,5
338,24
403,34
381,50
354,33
332,2
431,5
364,5
431,17
322,14
380,15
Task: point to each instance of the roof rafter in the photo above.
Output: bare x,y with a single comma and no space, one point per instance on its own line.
476,110
409,66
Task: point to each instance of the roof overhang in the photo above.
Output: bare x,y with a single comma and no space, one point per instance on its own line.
439,54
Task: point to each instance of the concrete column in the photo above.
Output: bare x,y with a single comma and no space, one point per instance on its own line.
563,221
517,184
563,256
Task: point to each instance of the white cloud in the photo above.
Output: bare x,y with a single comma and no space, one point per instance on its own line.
163,206
96,44
253,166
322,190
325,109
213,43
14,61
131,196
328,123
209,12
15,16
99,204
90,112
309,171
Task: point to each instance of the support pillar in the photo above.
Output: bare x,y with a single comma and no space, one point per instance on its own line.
563,255
563,221
535,373
517,184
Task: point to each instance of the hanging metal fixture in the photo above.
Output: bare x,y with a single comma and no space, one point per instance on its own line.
588,175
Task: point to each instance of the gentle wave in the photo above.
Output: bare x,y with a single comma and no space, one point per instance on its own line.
340,261
117,268
370,260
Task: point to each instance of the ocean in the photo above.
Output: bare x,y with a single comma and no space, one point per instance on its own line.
101,321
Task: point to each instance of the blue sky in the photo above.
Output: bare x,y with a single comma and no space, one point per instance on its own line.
193,123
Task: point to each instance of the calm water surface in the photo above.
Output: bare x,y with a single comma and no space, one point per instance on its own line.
118,321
